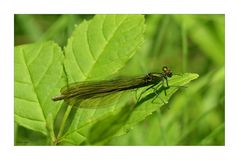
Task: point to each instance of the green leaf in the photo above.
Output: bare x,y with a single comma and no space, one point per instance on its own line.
102,46
107,126
37,77
152,102
121,120
99,48
120,123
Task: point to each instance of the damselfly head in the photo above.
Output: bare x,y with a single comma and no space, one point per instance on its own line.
167,71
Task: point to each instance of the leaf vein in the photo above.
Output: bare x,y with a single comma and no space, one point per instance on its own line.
25,99
28,118
88,44
36,55
24,82
103,49
102,28
78,65
34,87
51,62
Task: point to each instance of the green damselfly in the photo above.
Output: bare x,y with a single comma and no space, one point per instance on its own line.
76,93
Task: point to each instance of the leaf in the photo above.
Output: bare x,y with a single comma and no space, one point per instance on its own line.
37,77
109,125
120,121
152,102
99,48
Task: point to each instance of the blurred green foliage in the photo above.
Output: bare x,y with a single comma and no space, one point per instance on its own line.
185,43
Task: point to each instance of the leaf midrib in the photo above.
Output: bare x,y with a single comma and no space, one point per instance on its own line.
34,87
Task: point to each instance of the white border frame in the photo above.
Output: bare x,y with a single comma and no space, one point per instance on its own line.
11,7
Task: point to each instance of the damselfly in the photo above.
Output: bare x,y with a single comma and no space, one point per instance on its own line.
77,93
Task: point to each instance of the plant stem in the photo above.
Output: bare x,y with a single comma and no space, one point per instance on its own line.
68,110
49,124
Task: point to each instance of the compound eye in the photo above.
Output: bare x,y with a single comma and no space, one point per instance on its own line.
165,68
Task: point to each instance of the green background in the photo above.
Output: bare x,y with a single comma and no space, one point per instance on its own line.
186,43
